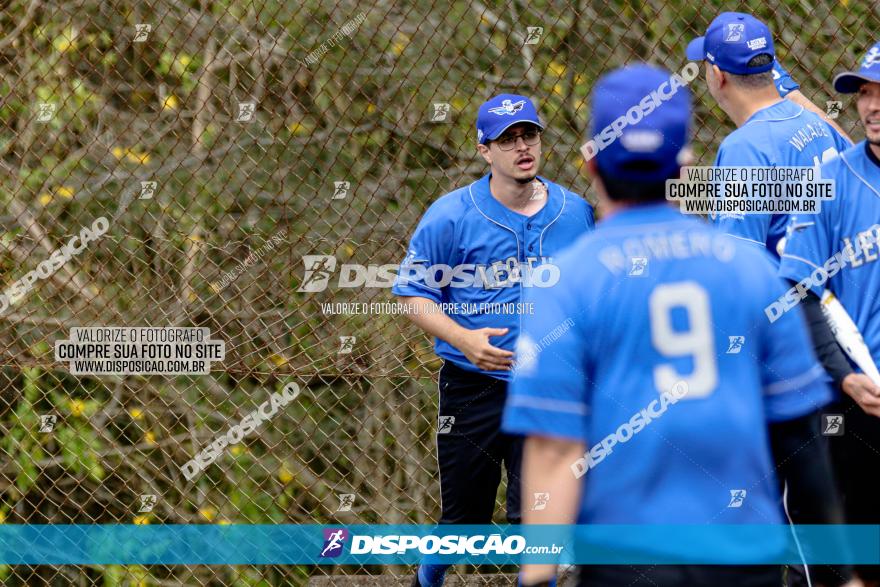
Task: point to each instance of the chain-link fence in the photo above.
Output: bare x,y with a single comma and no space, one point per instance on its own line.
224,141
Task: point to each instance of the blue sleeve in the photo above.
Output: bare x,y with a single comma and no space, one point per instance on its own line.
549,392
783,81
432,244
793,381
589,220
808,246
840,142
753,228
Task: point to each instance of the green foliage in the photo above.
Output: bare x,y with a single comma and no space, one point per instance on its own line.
129,112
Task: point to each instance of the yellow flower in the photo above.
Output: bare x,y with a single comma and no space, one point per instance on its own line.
150,438
224,522
65,192
45,199
184,60
557,69
278,360
208,513
136,413
77,407
170,102
2,517
140,575
299,129
65,41
371,108
141,520
349,250
557,89
119,152
284,474
400,44
141,158
237,450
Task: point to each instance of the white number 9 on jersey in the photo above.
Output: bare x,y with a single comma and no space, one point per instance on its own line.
827,155
698,342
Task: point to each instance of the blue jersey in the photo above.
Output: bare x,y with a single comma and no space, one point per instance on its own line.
648,302
494,254
850,223
782,135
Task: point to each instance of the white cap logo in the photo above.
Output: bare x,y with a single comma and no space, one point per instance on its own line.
642,141
735,31
508,108
872,58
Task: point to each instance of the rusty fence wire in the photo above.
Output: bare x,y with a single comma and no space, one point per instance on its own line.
241,153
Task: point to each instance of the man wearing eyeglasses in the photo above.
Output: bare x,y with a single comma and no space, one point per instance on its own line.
469,260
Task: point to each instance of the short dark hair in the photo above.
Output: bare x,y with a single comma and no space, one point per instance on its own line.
628,190
754,80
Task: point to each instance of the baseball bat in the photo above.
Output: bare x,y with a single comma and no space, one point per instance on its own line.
844,329
848,336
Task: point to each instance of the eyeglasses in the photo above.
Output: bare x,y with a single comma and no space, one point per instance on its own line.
508,142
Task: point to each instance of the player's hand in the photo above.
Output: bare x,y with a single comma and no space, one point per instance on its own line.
537,576
865,392
851,583
475,346
854,582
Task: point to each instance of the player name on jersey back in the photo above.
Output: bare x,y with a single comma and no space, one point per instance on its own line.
806,134
676,244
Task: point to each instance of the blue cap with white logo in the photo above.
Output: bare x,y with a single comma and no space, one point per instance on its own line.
501,112
731,41
850,81
652,133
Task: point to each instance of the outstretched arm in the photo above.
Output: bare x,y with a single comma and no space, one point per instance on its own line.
547,469
790,89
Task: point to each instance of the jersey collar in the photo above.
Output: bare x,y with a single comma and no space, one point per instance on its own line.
501,214
782,110
643,214
861,166
872,157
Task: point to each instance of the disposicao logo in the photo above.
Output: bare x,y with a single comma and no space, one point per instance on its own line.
334,539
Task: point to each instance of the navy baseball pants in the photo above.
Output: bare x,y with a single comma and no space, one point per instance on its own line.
472,449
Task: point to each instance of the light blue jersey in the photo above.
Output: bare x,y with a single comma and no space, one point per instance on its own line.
475,256
850,223
782,135
653,302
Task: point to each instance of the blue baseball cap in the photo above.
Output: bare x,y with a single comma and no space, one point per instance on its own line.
850,81
731,41
640,123
501,112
